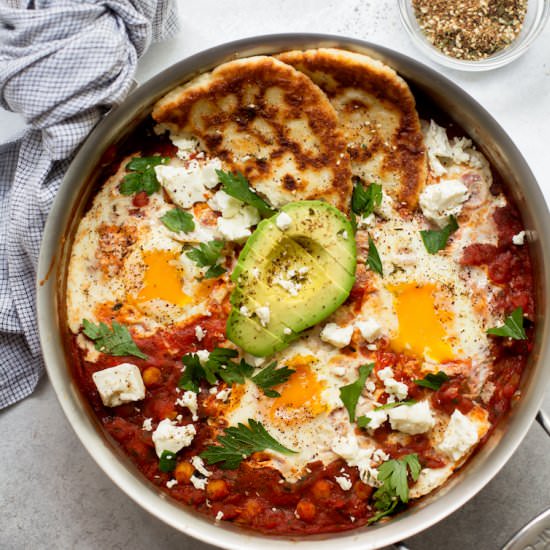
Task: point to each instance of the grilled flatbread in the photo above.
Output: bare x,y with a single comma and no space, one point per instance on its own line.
377,114
267,120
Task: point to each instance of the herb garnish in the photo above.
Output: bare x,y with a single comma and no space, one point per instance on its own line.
433,381
373,258
167,461
512,328
407,403
350,394
363,421
178,220
271,376
239,442
436,239
238,187
365,199
207,255
142,175
395,487
116,340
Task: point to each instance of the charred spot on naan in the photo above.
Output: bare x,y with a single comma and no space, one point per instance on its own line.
378,117
269,121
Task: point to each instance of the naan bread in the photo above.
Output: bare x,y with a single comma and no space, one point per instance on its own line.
377,114
267,120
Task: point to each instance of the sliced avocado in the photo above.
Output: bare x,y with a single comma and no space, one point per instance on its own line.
302,274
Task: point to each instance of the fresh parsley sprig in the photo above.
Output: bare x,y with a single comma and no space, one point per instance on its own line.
386,406
142,176
178,220
207,255
363,421
436,239
116,340
238,187
512,328
271,376
433,381
239,442
395,485
373,258
349,394
365,199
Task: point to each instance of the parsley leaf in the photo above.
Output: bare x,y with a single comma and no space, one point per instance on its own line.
193,373
237,186
207,255
142,175
363,421
235,373
395,404
365,199
272,376
350,394
436,239
116,340
512,328
373,258
395,486
240,442
178,220
167,461
433,381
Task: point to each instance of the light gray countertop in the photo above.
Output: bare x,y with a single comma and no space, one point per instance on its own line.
52,495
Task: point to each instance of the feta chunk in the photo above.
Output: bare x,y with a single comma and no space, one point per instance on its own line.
344,482
283,221
264,314
337,336
291,286
226,204
171,483
224,394
198,464
245,312
370,329
120,384
348,448
219,516
459,437
188,185
203,356
199,333
237,228
412,419
147,425
287,331
198,482
392,386
519,238
253,360
170,437
385,209
189,401
444,199
377,418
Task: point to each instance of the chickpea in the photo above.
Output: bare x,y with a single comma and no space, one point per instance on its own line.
251,509
151,376
321,489
362,490
306,510
217,489
183,472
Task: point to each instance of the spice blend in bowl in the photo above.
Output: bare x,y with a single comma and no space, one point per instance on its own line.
470,29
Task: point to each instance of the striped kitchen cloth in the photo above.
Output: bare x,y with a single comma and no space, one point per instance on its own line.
63,65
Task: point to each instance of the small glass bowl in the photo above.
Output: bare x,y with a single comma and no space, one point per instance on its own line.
537,14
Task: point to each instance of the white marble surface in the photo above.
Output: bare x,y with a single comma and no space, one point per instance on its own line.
52,495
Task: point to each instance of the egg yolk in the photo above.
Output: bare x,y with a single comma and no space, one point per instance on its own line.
421,324
300,394
162,279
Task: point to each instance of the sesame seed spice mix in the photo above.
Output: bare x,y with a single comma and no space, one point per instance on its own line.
470,29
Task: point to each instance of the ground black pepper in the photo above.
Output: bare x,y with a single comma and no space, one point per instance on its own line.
470,29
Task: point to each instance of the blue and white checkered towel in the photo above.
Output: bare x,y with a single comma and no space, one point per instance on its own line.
63,65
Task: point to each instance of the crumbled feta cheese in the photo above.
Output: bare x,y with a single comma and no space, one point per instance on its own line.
412,419
171,483
226,204
365,222
170,437
224,394
219,516
348,448
203,355
519,238
370,386
244,311
120,384
198,482
237,228
283,221
255,272
344,482
392,386
198,464
441,200
253,360
460,436
189,400
186,144
377,418
337,336
385,209
264,314
199,333
287,331
147,425
292,287
188,185
372,347
339,371
370,329
345,235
